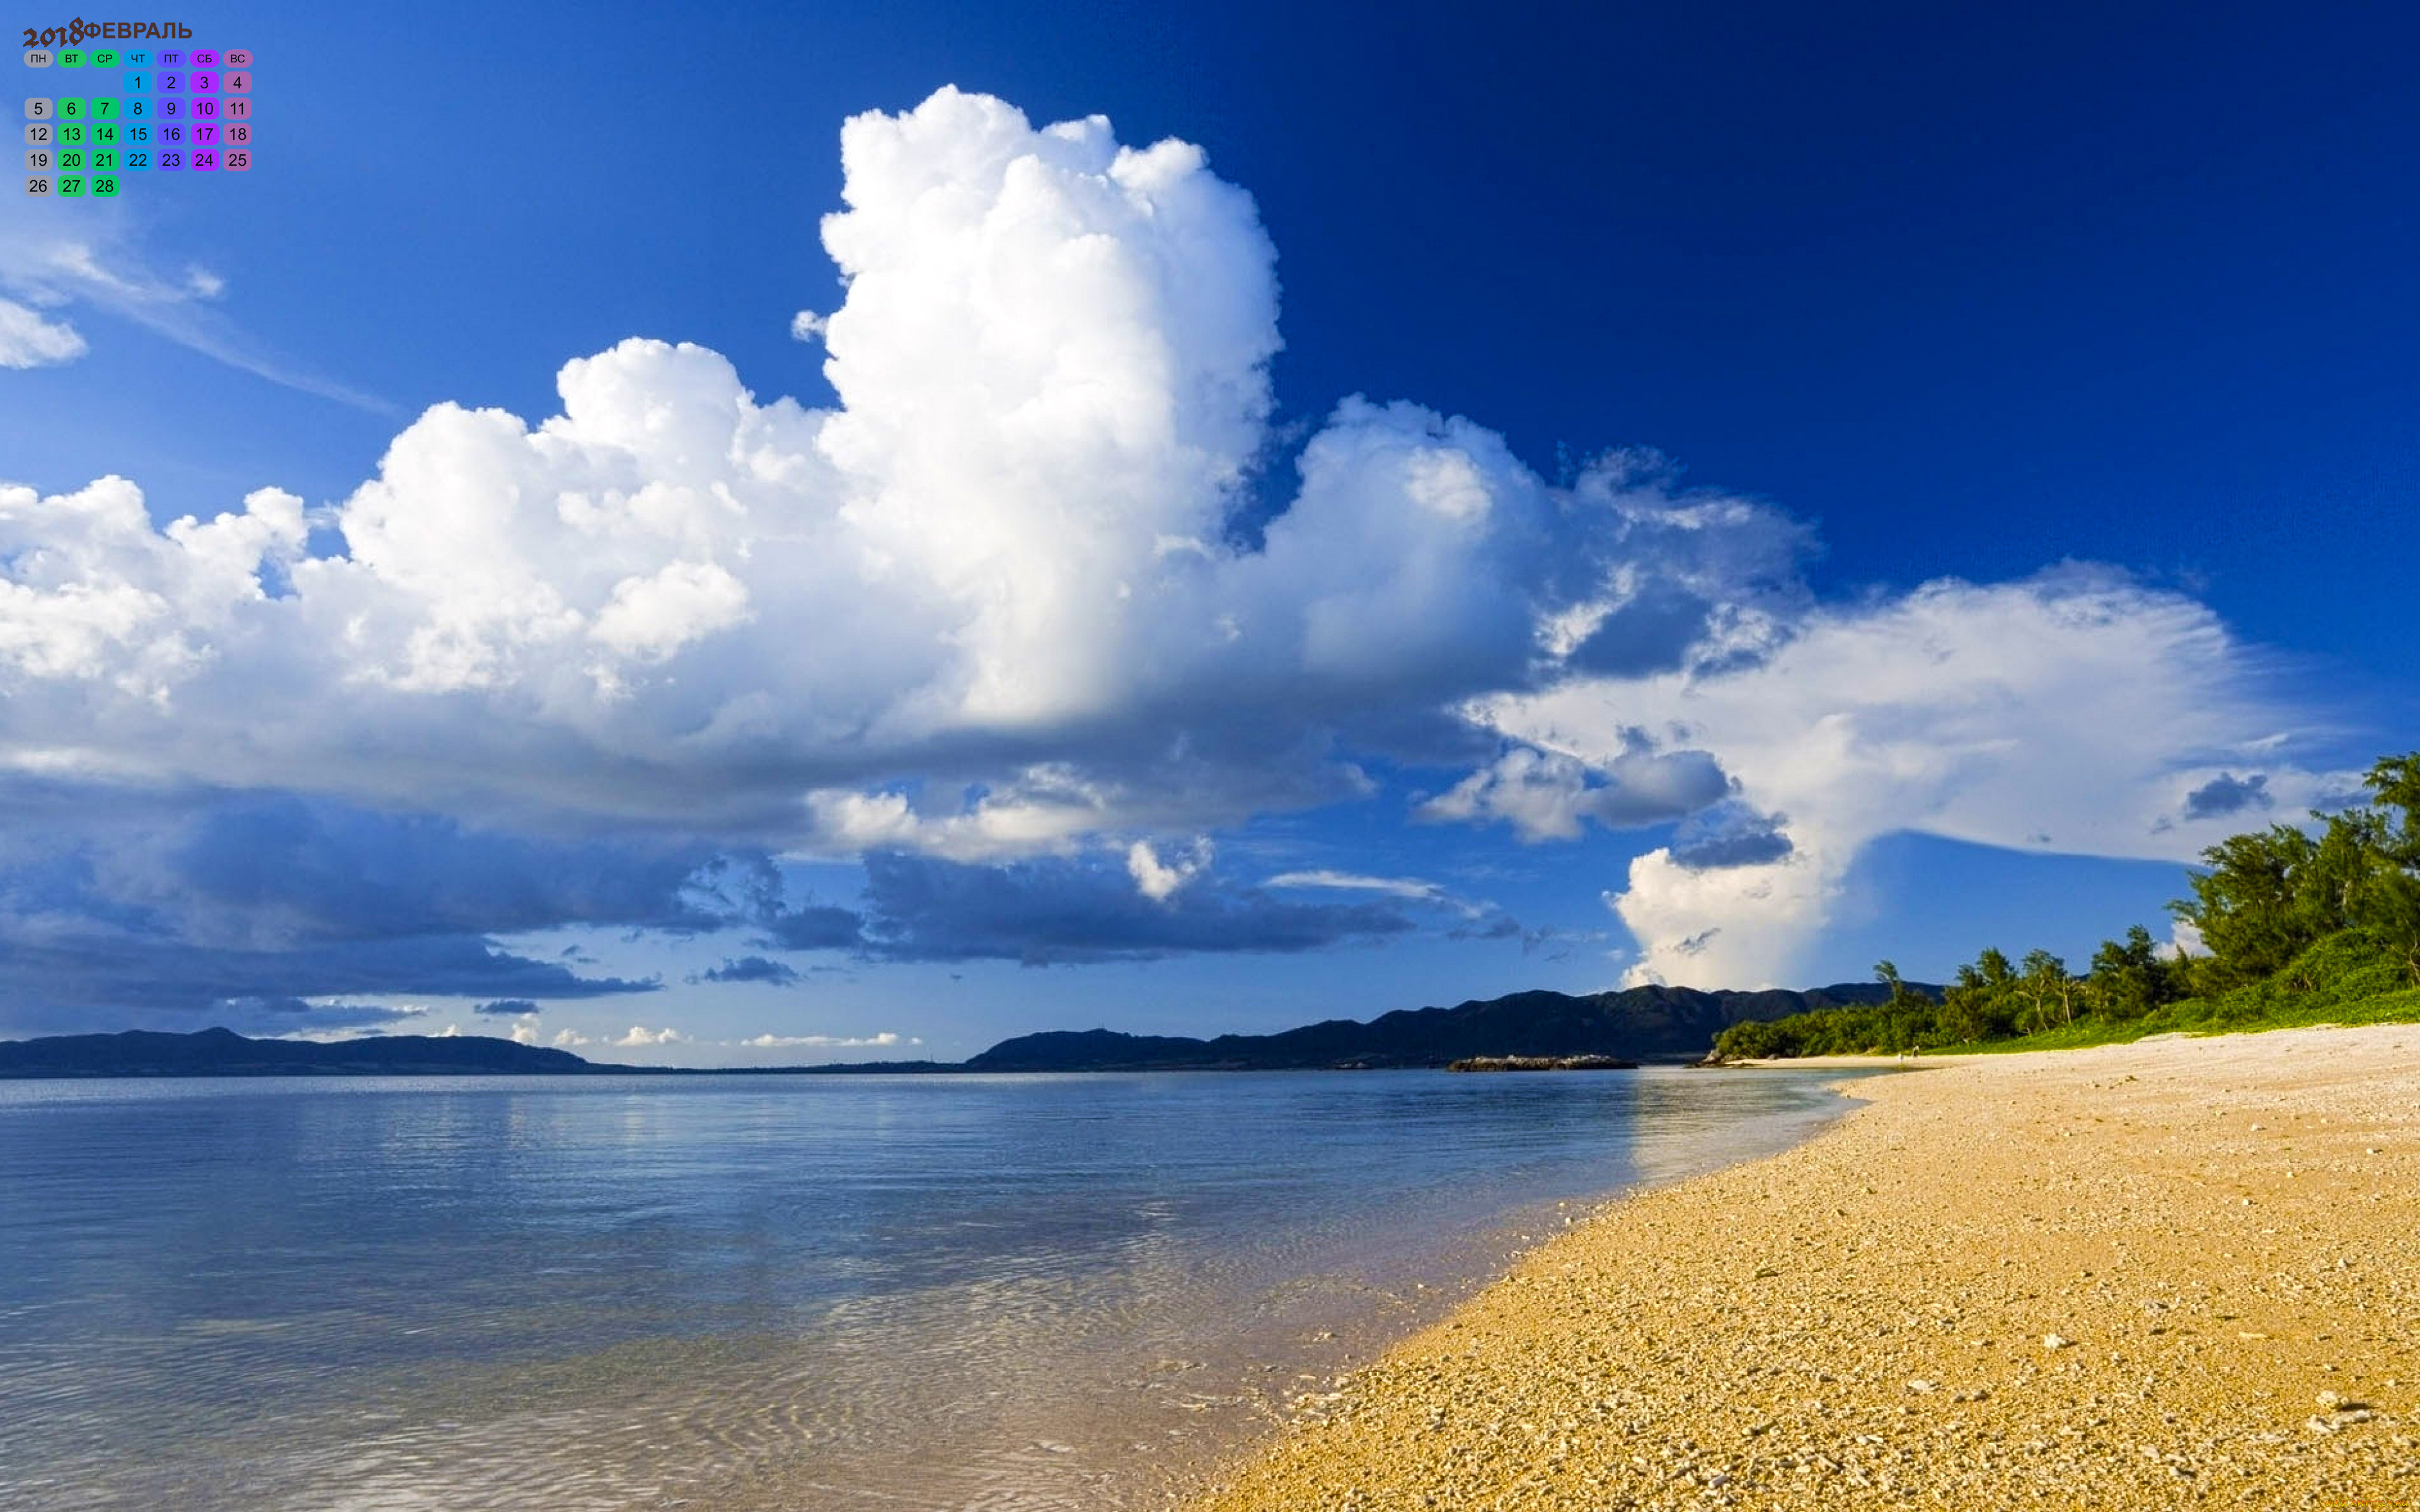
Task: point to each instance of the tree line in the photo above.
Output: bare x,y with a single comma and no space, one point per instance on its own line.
2292,920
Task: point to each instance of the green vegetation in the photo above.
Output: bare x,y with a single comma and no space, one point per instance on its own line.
2302,926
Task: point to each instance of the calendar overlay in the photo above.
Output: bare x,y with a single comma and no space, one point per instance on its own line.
104,116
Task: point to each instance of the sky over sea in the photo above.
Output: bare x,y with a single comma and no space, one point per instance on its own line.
725,536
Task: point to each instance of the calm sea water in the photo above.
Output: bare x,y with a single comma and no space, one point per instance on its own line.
755,1292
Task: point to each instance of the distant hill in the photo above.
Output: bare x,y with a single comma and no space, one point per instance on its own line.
1635,1023
225,1053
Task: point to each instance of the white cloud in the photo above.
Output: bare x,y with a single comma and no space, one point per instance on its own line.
1412,888
524,1032
1546,794
2071,713
1159,880
808,326
650,618
27,340
990,604
1040,807
825,1041
97,265
94,594
640,1037
568,1039
1003,559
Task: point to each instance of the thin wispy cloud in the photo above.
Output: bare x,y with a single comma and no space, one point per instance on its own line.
1412,888
96,262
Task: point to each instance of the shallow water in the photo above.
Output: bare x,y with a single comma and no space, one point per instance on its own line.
1019,1292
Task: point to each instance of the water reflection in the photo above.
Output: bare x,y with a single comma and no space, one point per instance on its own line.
1014,1292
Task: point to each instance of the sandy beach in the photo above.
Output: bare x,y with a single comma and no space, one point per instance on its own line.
2181,1273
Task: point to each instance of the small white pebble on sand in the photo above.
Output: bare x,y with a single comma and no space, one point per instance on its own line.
2055,1341
1921,1387
2330,1400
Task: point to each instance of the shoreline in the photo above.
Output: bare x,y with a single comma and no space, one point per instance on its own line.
2166,1273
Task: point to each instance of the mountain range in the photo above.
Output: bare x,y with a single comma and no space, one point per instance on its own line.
1667,1023
1635,1024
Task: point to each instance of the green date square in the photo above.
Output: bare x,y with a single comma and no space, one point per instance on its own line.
102,107
103,162
70,188
104,186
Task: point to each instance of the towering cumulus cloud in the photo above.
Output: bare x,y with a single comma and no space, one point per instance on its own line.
996,603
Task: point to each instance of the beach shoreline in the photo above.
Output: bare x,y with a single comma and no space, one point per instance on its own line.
2171,1273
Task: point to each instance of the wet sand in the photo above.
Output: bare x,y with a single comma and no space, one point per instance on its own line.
2176,1273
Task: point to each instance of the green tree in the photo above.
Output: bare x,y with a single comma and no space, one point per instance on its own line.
1980,1003
1901,994
2249,908
2385,899
2130,978
2048,990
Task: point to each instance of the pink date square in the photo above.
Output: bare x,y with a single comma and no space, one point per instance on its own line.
235,159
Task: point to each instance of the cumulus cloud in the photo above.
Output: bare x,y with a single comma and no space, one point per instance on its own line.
640,1037
987,606
994,614
27,340
2058,712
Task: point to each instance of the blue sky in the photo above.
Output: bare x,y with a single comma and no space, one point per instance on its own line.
1521,500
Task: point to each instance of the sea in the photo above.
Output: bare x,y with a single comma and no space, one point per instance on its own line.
750,1292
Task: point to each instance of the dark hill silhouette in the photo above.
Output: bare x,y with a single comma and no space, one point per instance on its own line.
225,1053
1635,1023
1638,1023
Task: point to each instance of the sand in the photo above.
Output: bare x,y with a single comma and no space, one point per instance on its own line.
2177,1273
